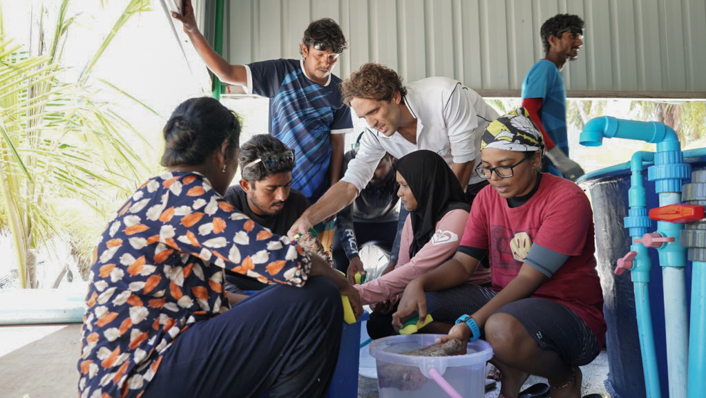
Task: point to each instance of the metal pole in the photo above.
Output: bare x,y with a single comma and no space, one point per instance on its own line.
218,46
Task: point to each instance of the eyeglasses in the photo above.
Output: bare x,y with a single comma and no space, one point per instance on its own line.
323,46
273,162
502,171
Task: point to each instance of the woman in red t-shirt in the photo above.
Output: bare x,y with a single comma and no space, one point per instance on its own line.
543,313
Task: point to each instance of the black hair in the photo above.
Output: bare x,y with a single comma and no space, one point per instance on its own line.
531,154
258,146
556,24
325,30
196,128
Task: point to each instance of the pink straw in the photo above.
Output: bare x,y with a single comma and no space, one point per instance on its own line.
448,388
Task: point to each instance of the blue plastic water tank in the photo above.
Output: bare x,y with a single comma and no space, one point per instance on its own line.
608,191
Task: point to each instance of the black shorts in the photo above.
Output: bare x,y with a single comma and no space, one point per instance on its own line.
552,325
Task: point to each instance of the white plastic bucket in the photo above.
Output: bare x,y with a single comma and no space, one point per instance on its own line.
408,376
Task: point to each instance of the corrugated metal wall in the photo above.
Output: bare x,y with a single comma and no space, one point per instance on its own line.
653,48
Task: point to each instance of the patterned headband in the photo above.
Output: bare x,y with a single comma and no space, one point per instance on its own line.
514,131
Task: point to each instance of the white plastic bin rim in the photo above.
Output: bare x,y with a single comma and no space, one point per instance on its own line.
388,349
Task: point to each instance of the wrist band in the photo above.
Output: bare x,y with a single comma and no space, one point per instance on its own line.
468,320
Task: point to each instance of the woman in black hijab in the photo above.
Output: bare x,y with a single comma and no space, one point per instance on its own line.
436,192
438,211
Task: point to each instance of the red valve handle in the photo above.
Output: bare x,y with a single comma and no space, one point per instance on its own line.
678,213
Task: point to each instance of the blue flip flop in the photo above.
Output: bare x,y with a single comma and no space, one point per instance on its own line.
539,390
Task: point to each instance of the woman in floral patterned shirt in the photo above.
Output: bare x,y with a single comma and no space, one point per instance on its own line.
159,322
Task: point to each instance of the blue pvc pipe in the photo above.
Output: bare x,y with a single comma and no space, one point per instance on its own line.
668,172
596,129
672,258
697,339
647,342
638,224
621,167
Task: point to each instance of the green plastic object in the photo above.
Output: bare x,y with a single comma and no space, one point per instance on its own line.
311,230
413,324
359,278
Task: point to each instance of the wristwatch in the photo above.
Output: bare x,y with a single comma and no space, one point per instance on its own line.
468,320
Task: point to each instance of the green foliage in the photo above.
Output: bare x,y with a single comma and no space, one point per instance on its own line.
693,121
503,105
579,112
60,144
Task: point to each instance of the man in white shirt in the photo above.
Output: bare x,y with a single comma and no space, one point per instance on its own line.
436,113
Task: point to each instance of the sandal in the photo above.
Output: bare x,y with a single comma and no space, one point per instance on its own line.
539,390
490,385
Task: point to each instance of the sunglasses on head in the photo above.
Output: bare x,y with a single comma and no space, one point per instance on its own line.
323,46
273,162
573,29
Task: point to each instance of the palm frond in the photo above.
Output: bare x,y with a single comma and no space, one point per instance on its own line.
58,142
134,7
127,95
60,29
17,159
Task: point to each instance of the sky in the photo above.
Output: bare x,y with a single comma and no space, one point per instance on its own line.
144,60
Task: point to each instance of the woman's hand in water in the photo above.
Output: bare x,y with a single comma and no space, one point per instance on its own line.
459,331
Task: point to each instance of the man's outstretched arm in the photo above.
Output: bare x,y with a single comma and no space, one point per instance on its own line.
226,72
334,200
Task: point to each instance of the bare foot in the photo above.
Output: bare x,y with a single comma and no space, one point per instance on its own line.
511,381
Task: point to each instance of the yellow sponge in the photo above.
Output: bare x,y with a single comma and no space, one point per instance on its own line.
348,315
413,324
359,278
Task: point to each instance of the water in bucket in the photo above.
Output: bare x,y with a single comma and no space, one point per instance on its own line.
408,376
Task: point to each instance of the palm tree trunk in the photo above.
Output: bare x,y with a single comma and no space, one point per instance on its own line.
670,114
32,268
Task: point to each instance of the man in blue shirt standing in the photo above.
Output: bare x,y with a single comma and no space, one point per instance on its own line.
544,94
306,110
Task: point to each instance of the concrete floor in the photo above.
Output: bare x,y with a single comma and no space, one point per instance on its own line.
40,361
